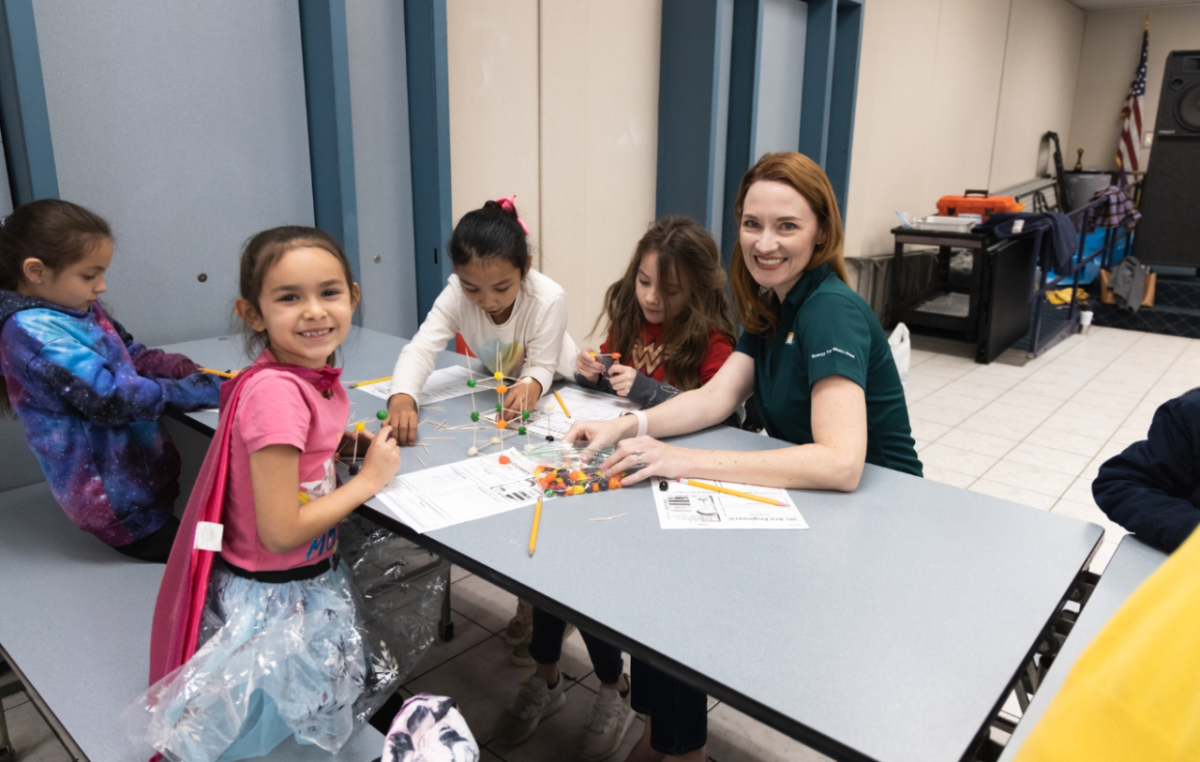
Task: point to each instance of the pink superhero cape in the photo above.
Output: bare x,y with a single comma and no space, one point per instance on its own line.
184,588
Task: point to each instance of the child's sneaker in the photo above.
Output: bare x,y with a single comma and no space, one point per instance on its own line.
535,702
520,627
611,717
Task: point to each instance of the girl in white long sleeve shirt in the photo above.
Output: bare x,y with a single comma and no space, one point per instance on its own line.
513,318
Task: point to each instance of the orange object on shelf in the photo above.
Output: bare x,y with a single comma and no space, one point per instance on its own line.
977,202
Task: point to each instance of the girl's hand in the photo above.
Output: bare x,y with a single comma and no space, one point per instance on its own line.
523,395
382,460
657,459
347,447
601,433
402,419
622,377
587,366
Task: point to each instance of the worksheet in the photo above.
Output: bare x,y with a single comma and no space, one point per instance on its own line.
443,384
550,420
682,506
470,489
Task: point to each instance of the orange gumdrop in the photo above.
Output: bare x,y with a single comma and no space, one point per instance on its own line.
504,461
616,355
502,388
502,424
614,483
595,487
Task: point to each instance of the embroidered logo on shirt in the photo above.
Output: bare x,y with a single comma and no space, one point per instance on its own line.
646,357
831,350
791,336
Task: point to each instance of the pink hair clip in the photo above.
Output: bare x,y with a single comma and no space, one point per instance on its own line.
508,205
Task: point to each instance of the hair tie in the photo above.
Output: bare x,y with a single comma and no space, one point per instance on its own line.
507,205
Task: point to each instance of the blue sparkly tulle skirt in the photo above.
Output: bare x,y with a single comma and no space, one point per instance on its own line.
311,659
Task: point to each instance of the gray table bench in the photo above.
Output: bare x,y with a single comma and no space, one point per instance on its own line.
1131,564
76,627
891,630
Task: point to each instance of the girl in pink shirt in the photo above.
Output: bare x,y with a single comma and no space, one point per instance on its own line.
266,641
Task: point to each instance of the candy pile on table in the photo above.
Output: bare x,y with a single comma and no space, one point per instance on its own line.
574,480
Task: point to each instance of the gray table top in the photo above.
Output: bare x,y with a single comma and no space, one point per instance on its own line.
75,618
1131,564
890,630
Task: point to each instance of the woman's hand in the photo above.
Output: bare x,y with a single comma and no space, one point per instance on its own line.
382,460
523,395
621,377
588,366
402,419
601,433
656,459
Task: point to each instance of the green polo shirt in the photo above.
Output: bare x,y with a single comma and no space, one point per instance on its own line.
826,329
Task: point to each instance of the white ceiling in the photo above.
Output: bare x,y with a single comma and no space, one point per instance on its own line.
1124,5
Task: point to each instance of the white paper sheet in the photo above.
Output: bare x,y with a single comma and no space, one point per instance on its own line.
549,420
443,384
683,506
470,489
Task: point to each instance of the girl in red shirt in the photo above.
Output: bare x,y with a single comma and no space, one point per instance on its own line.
670,326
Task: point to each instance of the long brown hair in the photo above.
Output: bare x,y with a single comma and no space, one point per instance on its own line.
688,253
260,255
58,233
758,308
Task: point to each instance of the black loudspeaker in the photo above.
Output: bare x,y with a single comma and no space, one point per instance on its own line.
1169,233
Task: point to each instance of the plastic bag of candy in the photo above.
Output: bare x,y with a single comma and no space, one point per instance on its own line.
563,470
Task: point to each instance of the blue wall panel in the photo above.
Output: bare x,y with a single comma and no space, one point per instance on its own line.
818,79
843,97
25,123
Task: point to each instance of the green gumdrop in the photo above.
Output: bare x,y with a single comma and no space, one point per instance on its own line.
521,431
381,415
474,416
471,382
499,407
524,415
549,492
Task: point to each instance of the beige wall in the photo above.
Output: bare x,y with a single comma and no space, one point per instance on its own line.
580,156
953,94
1111,44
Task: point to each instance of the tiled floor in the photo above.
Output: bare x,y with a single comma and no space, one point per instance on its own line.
1034,434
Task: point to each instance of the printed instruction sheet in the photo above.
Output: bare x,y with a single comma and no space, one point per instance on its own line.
464,491
682,506
443,384
549,419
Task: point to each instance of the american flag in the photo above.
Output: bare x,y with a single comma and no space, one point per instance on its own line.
1131,116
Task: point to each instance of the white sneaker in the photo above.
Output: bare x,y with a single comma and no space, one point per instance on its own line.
611,718
535,702
520,627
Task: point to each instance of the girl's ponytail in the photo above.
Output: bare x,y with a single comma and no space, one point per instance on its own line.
494,232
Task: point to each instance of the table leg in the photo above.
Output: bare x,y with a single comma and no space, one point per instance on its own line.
446,625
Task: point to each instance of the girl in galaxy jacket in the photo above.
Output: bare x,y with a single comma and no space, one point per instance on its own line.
90,398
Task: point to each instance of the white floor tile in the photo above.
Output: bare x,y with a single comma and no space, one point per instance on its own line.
17,698
1055,438
931,409
734,736
484,603
1080,492
927,430
952,458
946,476
975,441
1046,457
467,635
457,573
1033,478
998,424
969,386
1083,425
1047,390
951,400
1015,494
1113,531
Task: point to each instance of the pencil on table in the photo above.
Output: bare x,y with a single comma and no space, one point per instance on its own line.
220,373
357,384
727,491
561,404
537,517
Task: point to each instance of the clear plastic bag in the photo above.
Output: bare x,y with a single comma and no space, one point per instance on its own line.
564,470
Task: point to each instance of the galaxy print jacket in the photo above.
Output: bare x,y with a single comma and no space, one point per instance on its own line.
90,399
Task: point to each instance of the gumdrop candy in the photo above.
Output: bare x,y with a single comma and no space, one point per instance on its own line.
502,424
524,415
502,388
381,415
521,431
471,382
475,416
498,376
504,461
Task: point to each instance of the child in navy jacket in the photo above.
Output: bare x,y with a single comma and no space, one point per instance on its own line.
90,398
1153,488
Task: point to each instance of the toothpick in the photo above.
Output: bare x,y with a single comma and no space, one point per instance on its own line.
609,518
418,457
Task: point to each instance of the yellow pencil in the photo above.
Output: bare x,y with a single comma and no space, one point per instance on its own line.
727,491
566,412
537,517
357,384
220,373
